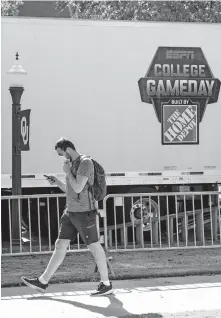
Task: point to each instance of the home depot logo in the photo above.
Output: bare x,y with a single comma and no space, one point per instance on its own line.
179,84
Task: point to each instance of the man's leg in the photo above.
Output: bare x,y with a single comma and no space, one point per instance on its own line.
57,258
67,233
100,258
85,223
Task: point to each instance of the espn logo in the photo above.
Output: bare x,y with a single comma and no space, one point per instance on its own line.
179,55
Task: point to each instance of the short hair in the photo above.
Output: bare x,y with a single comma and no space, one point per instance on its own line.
63,144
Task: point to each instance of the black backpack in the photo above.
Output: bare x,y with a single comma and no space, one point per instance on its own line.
99,187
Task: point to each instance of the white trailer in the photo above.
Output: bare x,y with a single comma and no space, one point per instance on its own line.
142,98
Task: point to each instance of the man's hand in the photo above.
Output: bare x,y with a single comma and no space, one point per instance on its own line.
53,180
67,167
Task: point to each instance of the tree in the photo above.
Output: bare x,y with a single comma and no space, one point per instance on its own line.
175,11
10,7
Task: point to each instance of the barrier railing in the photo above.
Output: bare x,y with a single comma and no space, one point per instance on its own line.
128,221
38,224
162,220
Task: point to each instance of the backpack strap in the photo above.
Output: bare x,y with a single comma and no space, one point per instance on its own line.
89,186
78,159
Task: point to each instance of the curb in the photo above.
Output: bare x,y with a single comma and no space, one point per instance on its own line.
129,277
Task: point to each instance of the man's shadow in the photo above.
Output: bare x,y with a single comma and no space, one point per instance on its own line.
115,308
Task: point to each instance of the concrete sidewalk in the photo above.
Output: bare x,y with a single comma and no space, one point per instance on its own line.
197,296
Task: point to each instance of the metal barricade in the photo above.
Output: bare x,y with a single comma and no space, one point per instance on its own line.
128,221
38,224
140,221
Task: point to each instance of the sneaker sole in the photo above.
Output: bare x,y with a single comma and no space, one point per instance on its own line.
33,286
103,294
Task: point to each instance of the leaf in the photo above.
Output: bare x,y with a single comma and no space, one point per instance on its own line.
10,8
176,11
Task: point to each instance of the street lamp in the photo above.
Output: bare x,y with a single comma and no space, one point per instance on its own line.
16,89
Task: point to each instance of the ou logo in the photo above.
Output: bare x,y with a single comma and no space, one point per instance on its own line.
24,130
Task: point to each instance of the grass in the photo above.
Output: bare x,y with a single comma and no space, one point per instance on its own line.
79,267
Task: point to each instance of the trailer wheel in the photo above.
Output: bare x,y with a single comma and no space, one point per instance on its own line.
147,209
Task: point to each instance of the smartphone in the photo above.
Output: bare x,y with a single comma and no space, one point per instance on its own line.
49,177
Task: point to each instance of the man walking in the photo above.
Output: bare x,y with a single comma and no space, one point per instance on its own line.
79,216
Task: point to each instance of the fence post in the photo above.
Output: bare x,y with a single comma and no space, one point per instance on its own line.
110,238
155,231
215,223
171,229
199,226
184,225
122,236
139,228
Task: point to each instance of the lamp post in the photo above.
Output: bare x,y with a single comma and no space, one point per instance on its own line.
16,89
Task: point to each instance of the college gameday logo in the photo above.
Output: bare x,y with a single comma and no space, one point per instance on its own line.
179,84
